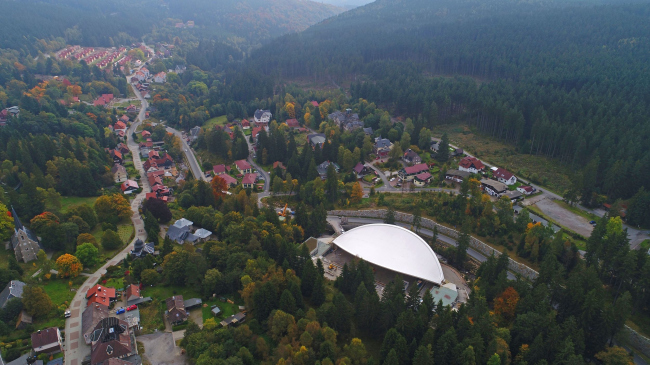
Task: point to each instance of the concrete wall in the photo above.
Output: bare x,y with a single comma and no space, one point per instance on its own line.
479,246
636,340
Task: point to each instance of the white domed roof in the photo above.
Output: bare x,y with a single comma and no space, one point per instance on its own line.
394,248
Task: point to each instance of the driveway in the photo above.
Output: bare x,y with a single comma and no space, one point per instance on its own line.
160,349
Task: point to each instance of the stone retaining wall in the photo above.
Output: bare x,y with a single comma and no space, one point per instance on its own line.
479,246
636,340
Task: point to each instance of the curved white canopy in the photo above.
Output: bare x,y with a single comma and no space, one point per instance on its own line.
394,248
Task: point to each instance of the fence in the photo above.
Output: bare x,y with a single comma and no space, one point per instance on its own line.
478,245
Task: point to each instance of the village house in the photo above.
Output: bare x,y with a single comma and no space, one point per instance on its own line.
526,189
219,169
322,168
124,119
24,242
89,319
243,166
117,157
47,341
129,186
293,123
234,320
361,170
262,117
493,188
14,289
160,78
408,173
471,164
316,140
279,164
504,176
230,181
119,173
141,249
111,339
368,131
176,313
411,158
101,295
347,120
513,195
145,134
382,147
422,179
248,182
245,124
456,175
122,148
132,293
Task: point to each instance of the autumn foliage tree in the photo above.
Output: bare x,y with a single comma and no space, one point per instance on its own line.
219,187
357,192
112,208
506,304
68,266
36,301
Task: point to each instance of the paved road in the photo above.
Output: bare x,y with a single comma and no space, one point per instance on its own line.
189,155
265,175
423,231
75,347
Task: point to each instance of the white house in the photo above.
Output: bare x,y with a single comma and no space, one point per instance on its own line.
493,188
160,78
505,176
145,71
262,116
471,164
525,189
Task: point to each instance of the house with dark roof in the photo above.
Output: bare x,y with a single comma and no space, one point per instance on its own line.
322,168
361,170
234,320
513,195
181,234
176,310
316,140
456,175
262,117
471,164
409,173
347,120
111,339
368,131
411,157
24,242
382,147
141,249
119,173
47,341
14,289
504,176
89,319
493,188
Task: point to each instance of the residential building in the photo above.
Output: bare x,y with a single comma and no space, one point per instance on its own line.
411,158
279,164
231,181
322,168
117,156
347,120
101,295
24,242
243,166
409,173
293,123
202,234
471,164
129,186
456,175
493,188
422,179
245,124
219,169
160,78
504,176
361,170
181,234
176,310
234,320
262,117
47,341
182,223
314,103
382,147
14,289
111,339
525,189
132,293
368,131
23,320
119,173
141,249
317,140
513,195
248,182
145,134
89,319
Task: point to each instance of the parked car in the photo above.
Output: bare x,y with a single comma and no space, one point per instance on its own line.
67,313
593,223
120,311
131,307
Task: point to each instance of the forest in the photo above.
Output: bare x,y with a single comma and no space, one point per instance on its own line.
567,81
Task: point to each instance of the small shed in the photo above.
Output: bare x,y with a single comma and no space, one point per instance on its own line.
215,311
23,321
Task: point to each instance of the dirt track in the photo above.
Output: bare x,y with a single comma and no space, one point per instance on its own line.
565,218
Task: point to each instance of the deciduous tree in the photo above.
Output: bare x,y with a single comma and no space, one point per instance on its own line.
36,301
69,266
87,254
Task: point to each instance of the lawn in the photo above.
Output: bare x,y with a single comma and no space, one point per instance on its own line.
151,316
117,283
210,123
68,201
59,291
227,309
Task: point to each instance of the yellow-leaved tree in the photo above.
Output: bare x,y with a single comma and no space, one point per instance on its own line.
68,266
357,192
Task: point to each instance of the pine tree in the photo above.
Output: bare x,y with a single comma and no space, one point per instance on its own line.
423,356
390,215
287,302
318,294
443,149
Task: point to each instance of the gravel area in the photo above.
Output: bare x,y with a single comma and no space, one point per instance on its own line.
160,349
567,219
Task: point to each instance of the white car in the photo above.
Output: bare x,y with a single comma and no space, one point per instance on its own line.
67,313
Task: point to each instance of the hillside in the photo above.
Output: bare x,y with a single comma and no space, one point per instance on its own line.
564,80
98,23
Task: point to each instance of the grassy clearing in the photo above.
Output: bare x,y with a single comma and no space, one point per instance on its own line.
68,201
210,123
544,171
59,291
227,309
163,292
151,316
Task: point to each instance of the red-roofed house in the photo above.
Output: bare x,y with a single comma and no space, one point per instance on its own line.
408,173
99,102
255,132
128,186
293,123
119,126
219,169
279,164
249,181
124,118
132,293
314,103
146,134
422,179
101,295
505,176
471,164
243,166
117,157
231,181
245,124
526,190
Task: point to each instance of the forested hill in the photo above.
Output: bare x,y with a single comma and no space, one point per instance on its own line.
566,80
108,22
